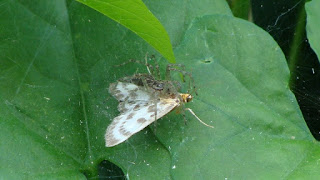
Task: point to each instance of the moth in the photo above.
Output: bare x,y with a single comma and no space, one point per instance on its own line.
142,100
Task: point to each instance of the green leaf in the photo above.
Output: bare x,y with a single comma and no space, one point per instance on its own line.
135,15
57,61
313,25
241,8
259,131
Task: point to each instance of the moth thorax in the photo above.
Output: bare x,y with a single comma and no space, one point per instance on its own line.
186,97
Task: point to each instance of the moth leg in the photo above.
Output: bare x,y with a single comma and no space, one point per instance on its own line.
191,82
182,110
177,85
184,117
154,96
145,84
157,69
155,101
173,67
184,73
149,66
129,61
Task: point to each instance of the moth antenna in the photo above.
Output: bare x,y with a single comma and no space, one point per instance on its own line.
198,118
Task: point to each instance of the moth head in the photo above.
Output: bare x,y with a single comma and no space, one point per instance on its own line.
186,97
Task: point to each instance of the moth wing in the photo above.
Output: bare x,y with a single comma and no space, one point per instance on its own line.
123,91
135,119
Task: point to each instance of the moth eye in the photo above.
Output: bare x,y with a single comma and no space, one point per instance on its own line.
189,98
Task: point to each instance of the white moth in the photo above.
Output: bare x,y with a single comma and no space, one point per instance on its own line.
142,100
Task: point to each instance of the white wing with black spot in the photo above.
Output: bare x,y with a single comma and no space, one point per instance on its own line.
128,92
137,111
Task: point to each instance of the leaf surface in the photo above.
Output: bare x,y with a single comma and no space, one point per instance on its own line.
242,78
313,25
57,61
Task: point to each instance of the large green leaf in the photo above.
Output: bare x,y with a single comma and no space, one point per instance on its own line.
134,15
56,65
313,25
241,8
259,131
